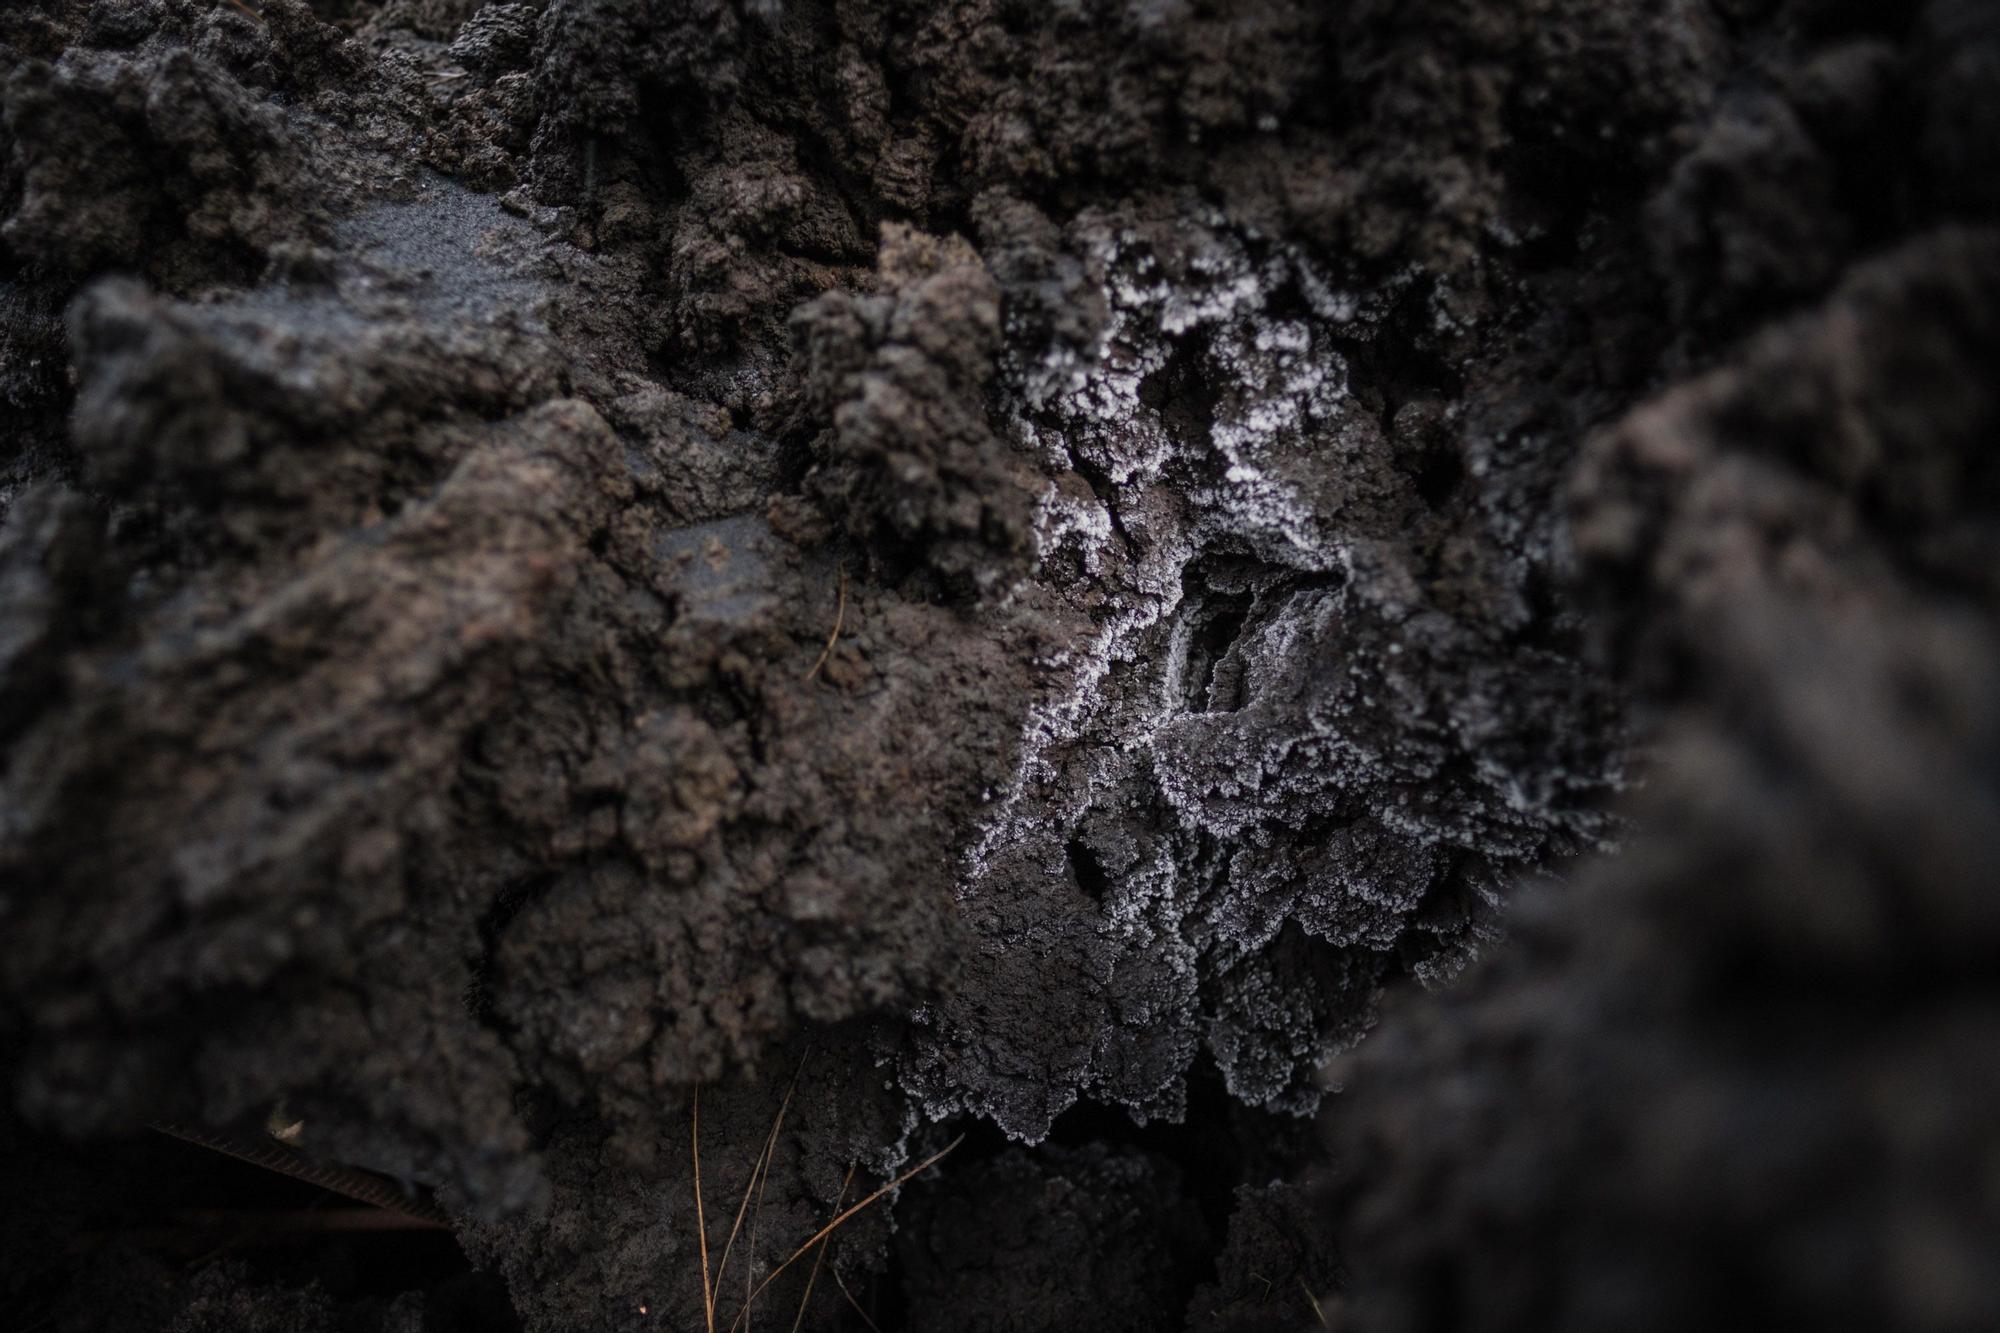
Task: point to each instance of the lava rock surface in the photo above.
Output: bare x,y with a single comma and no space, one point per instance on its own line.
643,614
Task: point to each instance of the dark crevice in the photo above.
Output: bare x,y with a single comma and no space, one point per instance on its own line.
1183,393
1398,364
493,923
1217,1146
1211,683
1106,492
1088,870
1439,474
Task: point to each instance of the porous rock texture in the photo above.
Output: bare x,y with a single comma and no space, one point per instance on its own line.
598,593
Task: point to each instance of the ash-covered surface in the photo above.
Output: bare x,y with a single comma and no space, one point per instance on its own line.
871,573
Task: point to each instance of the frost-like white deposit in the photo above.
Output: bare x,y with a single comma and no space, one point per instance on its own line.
1242,782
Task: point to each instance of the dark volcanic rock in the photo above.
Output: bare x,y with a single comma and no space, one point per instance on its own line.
1736,1074
890,570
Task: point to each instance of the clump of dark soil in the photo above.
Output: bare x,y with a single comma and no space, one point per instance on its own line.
638,615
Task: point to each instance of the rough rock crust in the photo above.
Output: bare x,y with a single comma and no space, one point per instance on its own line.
1815,554
1730,1073
950,566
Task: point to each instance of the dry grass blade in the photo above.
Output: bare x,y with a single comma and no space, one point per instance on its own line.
1313,1301
701,1219
839,619
760,1171
805,1301
839,1282
841,1218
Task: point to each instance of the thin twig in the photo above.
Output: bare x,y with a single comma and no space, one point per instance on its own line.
351,1181
839,618
701,1218
805,1301
275,1225
251,1226
841,1218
